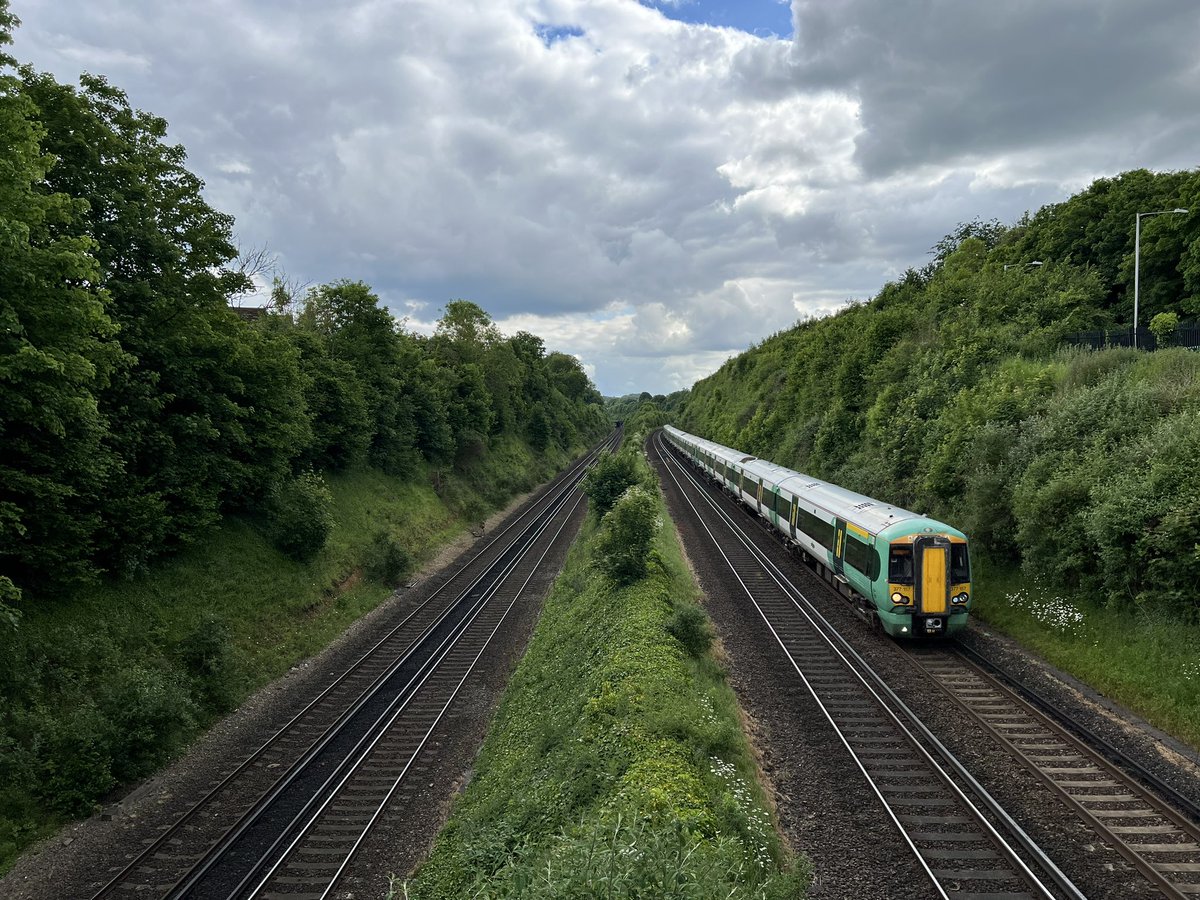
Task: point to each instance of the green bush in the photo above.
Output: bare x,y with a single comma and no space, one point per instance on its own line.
75,760
1163,327
610,477
628,529
299,516
689,625
207,659
387,560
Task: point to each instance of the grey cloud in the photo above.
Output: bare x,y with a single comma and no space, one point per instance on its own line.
949,80
683,176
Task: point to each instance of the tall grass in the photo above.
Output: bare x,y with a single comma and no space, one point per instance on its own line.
1146,660
616,766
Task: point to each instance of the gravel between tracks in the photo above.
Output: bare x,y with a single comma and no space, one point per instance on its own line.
77,861
823,807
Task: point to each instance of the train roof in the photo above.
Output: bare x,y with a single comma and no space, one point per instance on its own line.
866,512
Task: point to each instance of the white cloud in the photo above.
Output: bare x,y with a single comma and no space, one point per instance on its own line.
651,195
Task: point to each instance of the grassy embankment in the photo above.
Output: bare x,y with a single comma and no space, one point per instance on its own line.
616,765
1151,666
102,689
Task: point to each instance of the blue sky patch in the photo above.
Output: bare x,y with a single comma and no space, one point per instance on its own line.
552,34
761,17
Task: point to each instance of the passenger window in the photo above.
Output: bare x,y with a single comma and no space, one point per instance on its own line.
900,565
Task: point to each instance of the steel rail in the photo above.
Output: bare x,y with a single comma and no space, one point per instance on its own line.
887,701
1179,801
492,577
379,808
1073,771
552,494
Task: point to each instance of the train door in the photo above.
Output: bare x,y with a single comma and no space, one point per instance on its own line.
933,575
839,546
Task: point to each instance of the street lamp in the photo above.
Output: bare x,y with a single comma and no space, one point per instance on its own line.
1137,253
1028,265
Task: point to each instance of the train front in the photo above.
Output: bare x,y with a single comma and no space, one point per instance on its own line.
927,588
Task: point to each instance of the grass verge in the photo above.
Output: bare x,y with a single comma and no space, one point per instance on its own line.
616,765
1151,666
101,689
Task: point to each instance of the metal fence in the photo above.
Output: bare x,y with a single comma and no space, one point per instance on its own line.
1186,335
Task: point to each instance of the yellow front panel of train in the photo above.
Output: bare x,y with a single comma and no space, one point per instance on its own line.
933,580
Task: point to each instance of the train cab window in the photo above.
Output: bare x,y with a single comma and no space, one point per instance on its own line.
900,565
960,564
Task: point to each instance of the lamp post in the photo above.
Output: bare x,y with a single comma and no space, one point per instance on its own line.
1028,265
1137,253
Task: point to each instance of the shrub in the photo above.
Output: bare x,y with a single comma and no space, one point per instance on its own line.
75,765
206,657
690,627
629,527
1163,327
609,478
299,516
387,560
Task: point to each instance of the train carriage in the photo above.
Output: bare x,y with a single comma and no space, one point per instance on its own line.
906,572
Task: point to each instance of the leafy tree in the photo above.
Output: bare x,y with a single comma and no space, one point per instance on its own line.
56,354
363,334
200,411
609,478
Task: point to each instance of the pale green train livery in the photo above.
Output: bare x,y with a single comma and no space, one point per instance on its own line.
907,573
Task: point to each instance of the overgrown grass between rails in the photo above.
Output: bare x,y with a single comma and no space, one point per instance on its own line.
616,766
102,688
1151,666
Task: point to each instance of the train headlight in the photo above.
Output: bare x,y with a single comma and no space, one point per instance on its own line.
962,598
899,599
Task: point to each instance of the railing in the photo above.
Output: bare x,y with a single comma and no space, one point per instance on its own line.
1187,335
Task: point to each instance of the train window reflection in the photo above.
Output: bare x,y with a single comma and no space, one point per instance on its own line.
960,566
900,565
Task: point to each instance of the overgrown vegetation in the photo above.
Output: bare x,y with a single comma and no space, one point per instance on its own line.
616,766
137,407
180,505
953,392
105,689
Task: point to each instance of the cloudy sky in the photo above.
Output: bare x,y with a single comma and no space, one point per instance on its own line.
651,186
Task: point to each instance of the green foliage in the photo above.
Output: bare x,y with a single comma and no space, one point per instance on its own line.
387,560
1163,326
299,516
136,409
207,657
628,528
690,627
56,357
615,764
611,476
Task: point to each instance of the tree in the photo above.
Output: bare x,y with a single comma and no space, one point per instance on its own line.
363,334
199,410
56,354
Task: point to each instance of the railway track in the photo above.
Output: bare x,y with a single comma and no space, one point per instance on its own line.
1159,837
1161,843
962,839
251,826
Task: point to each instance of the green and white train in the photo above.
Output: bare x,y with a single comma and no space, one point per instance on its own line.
909,574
